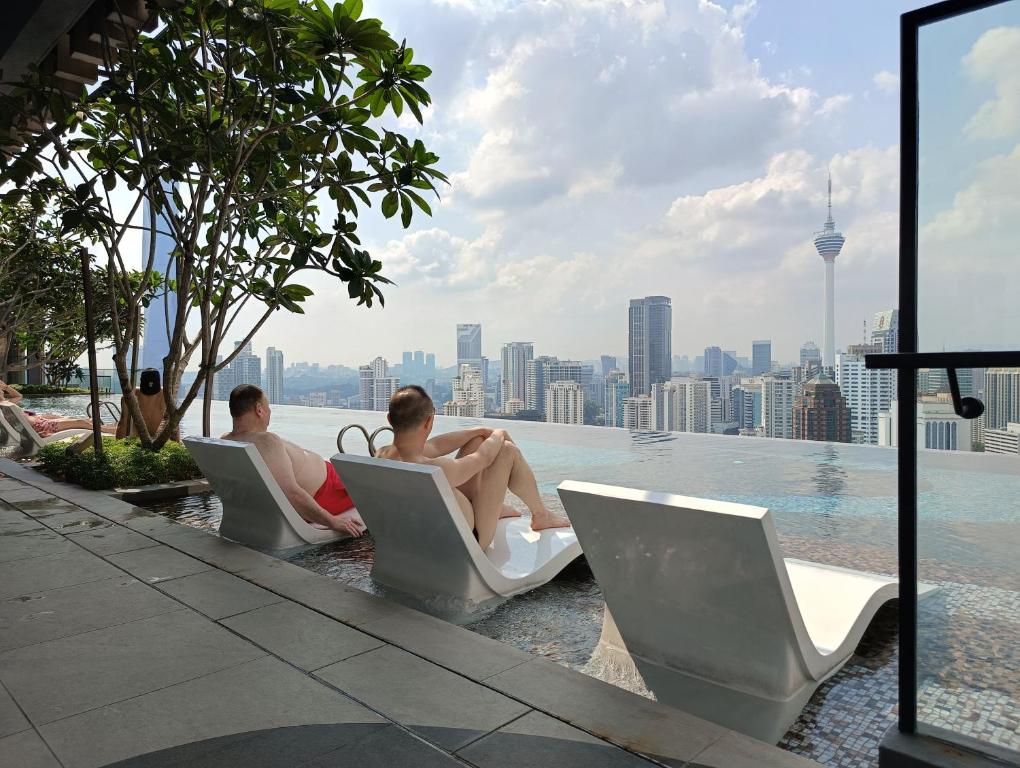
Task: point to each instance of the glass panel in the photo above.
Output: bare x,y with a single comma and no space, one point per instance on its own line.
968,289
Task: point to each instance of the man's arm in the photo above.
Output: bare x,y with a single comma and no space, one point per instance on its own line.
440,445
277,459
459,471
9,393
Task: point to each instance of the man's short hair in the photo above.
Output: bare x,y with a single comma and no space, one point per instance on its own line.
410,406
244,398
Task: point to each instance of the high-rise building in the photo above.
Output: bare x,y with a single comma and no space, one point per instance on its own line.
713,361
745,404
829,243
407,364
1003,440
376,386
419,362
650,347
777,395
564,403
223,381
274,375
246,368
938,426
867,391
639,413
430,365
514,369
1002,397
885,330
608,364
617,390
730,362
761,357
544,370
469,345
821,413
683,405
513,406
468,396
161,313
810,357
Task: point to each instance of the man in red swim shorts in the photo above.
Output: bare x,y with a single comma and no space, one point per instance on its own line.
307,480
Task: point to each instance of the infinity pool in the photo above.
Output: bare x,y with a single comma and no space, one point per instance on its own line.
831,503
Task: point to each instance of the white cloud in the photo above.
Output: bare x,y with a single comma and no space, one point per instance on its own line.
834,104
994,59
886,81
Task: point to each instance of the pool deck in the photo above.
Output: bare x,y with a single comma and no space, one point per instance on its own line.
128,639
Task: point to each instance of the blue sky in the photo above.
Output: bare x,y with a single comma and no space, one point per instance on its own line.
601,150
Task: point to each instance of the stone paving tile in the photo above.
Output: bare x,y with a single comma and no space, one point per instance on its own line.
386,748
301,636
735,750
44,616
448,645
265,693
11,718
111,539
25,493
32,543
157,563
18,522
146,522
64,677
47,507
439,705
217,594
7,484
664,734
77,521
538,739
339,601
26,750
225,555
38,574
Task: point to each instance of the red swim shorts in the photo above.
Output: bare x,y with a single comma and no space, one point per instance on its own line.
332,496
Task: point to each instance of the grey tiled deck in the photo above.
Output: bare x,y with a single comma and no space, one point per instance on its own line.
126,639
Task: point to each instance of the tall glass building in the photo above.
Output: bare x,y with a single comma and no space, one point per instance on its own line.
650,348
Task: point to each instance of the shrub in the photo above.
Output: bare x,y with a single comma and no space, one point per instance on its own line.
124,464
46,389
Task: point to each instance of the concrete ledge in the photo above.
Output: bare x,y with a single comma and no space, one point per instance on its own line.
161,491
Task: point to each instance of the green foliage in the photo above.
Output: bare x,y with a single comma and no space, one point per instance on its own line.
232,121
124,464
46,389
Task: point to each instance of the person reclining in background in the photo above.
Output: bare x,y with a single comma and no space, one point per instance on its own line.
488,464
307,480
46,424
149,394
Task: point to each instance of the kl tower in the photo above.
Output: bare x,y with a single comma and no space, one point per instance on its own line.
829,243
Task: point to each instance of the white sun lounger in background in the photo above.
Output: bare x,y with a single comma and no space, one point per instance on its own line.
702,608
424,551
256,512
20,431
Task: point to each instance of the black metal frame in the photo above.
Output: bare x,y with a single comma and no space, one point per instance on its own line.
909,360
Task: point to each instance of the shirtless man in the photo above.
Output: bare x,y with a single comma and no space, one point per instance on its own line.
46,424
486,466
307,480
152,404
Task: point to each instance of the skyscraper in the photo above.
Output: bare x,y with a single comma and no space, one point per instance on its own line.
1002,397
867,391
650,348
468,396
407,364
777,406
821,413
514,369
810,356
274,375
419,363
469,345
617,390
608,363
761,357
829,243
246,368
163,306
430,365
376,386
885,330
639,413
564,403
713,361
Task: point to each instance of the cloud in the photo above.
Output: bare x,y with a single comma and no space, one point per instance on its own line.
439,258
886,81
993,59
834,105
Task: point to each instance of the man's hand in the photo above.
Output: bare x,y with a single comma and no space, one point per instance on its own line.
482,432
347,525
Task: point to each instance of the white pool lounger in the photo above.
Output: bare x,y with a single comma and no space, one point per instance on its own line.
702,608
20,431
255,510
425,551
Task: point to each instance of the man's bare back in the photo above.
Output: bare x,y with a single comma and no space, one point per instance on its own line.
309,468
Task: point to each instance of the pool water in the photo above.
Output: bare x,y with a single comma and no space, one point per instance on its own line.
834,504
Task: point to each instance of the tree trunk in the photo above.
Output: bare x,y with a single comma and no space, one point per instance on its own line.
90,332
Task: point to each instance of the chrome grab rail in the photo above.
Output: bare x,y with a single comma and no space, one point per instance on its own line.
369,438
111,409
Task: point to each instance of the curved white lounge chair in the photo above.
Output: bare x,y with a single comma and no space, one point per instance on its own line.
706,612
20,431
424,549
255,510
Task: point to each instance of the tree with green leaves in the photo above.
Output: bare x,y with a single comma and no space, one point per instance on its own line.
226,130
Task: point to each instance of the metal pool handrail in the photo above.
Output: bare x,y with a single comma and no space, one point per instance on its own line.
111,409
369,438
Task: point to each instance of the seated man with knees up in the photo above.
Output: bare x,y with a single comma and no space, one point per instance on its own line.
309,482
486,466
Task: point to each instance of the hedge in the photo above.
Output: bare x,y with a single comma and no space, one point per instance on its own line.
124,464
